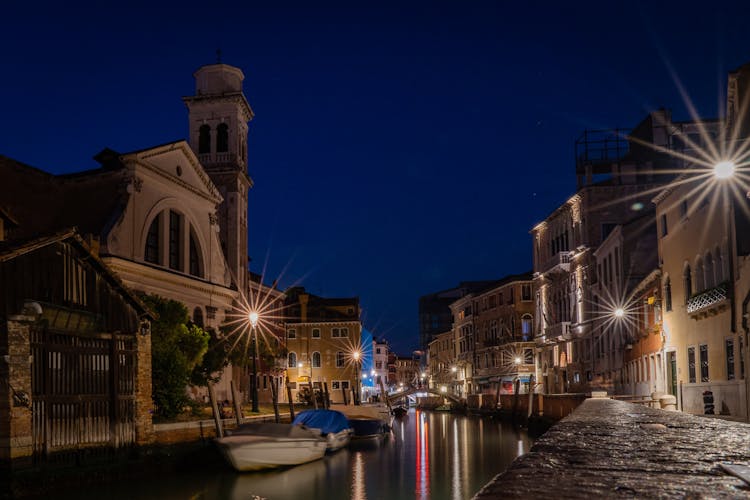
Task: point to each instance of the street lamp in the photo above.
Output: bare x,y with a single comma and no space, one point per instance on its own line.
724,169
253,317
619,312
356,355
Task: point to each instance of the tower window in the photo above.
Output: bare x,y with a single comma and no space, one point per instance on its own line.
152,241
222,138
204,139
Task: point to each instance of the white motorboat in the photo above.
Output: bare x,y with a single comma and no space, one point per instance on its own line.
265,446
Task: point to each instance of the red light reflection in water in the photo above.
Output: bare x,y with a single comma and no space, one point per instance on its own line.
423,458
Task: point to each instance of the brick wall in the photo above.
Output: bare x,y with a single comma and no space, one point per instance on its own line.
144,428
15,414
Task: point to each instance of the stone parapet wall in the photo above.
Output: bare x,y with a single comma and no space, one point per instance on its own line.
609,448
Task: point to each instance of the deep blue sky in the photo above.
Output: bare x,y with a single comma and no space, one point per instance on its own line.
398,147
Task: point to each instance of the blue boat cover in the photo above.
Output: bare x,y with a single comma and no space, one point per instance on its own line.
328,421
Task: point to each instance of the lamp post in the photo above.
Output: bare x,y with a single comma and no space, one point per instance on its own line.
356,355
253,317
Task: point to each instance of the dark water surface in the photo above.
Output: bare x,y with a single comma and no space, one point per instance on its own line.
431,455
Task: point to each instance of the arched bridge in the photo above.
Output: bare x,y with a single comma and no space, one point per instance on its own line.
413,390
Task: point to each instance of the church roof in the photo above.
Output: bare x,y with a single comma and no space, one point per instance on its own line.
42,203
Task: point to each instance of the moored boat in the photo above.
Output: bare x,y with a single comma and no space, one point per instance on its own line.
399,411
263,446
366,421
333,425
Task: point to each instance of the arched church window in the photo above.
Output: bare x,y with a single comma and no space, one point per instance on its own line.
152,242
204,139
174,240
198,316
194,257
222,138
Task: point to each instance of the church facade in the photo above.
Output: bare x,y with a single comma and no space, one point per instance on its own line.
169,220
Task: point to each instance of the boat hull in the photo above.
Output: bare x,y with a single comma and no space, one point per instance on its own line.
250,453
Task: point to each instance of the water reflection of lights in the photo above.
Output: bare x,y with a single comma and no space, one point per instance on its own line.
455,466
423,458
520,450
359,492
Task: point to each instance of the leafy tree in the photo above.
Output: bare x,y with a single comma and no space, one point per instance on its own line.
177,347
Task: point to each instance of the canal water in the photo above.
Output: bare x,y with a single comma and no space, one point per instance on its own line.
429,455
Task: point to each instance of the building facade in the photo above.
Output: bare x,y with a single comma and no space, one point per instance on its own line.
323,345
505,349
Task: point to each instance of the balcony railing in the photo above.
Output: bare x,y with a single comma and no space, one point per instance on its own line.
559,262
713,297
560,331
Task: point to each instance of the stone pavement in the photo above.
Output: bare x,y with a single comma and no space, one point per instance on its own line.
612,449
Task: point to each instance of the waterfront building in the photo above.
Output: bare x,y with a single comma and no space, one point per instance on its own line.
649,367
617,174
323,344
408,372
463,333
380,351
625,258
504,347
441,361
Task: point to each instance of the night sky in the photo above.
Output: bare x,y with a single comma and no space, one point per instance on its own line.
396,150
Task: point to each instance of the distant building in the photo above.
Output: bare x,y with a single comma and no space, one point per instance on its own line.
434,311
380,351
441,360
323,342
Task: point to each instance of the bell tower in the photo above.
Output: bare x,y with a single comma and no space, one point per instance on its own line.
218,115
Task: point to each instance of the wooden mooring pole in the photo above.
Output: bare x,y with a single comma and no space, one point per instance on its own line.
275,397
289,396
237,403
217,416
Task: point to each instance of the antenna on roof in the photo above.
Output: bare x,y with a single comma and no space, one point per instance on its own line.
218,56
